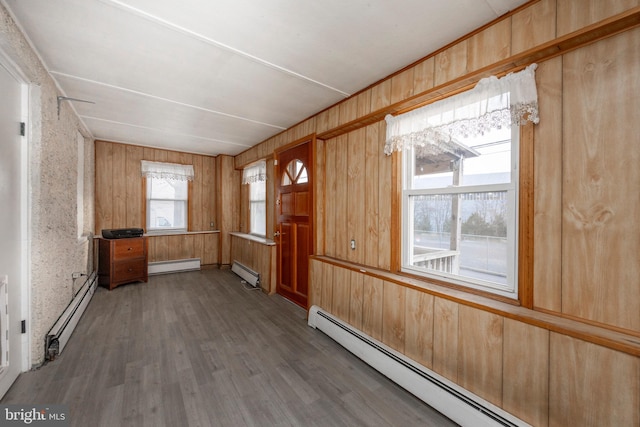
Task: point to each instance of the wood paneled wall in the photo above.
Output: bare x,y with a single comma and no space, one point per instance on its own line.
258,256
586,270
120,199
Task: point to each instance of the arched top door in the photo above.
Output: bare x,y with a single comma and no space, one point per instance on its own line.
295,173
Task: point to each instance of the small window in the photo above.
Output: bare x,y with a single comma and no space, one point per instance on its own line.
258,208
295,173
167,203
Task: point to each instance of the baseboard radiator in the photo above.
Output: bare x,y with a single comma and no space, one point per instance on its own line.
456,403
173,266
61,331
250,276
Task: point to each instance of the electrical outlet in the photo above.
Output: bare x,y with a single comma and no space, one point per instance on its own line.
76,275
353,244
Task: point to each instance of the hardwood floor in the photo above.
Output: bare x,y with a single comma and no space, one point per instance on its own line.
200,349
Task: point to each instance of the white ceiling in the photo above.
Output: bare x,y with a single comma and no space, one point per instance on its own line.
219,76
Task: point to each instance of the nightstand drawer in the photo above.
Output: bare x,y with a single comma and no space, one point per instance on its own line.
129,270
128,248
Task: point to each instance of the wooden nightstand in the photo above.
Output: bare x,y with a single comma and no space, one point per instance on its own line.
122,261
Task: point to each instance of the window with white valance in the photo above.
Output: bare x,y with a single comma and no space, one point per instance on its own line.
460,183
255,173
492,104
167,194
256,177
172,171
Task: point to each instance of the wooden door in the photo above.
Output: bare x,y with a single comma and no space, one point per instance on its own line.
294,207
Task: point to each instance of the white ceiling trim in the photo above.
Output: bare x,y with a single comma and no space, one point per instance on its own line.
165,132
159,98
175,27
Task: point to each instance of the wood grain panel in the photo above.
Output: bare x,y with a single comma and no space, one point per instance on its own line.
576,14
418,344
209,187
385,192
211,248
364,103
490,45
348,110
319,200
402,85
196,194
525,380
341,198
159,248
591,385
480,353
327,287
372,307
104,186
371,191
356,299
445,338
356,213
328,119
451,63
601,266
316,283
381,95
547,266
393,320
330,197
533,26
119,196
341,293
134,197
424,75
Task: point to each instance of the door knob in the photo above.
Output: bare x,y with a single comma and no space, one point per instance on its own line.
276,234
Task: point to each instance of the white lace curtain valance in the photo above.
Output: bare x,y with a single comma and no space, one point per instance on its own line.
255,173
171,171
491,104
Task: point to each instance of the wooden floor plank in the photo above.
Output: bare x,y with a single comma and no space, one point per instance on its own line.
200,349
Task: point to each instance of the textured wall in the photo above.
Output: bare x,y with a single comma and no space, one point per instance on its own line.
55,250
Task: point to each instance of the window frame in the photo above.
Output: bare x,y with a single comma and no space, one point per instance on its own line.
406,165
148,199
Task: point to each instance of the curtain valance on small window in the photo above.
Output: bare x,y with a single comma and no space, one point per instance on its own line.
255,173
162,170
491,104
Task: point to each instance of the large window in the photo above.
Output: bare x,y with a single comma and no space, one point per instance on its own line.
460,212
460,160
167,195
255,177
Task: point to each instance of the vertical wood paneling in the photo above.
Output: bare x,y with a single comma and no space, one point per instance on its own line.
424,75
364,103
209,189
318,197
576,14
393,320
348,110
480,353
418,344
196,203
372,307
490,45
548,188
356,212
330,197
372,199
316,283
134,197
341,293
451,63
402,86
381,95
327,287
328,119
533,26
525,380
445,338
600,170
341,198
356,299
104,186
592,385
211,248
385,192
119,196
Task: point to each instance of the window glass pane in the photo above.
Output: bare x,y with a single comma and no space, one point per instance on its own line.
295,172
167,189
480,250
484,160
258,208
167,214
